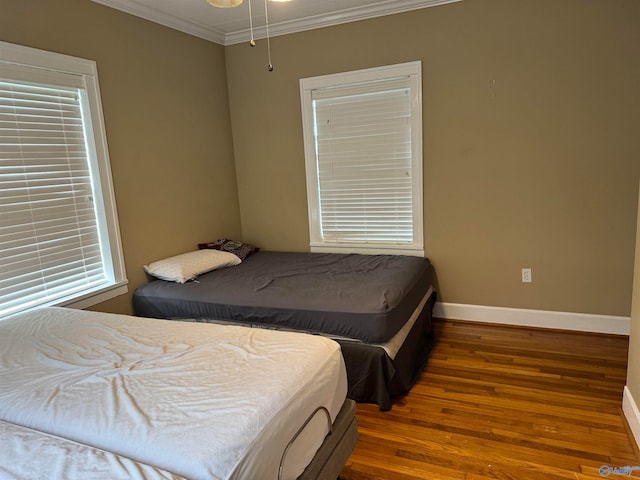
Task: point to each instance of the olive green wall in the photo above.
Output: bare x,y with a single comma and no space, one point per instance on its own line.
166,111
633,365
632,392
531,152
531,110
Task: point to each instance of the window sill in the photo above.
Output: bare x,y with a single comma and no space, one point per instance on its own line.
84,300
101,294
414,251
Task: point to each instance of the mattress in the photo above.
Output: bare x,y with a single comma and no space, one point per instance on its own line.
363,297
391,348
26,454
196,400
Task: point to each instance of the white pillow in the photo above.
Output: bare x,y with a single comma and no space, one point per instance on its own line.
188,266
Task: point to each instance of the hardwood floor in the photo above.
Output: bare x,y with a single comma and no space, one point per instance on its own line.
500,402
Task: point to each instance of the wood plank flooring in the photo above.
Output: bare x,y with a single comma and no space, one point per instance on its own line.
499,402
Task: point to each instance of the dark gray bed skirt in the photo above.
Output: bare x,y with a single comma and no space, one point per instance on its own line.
374,377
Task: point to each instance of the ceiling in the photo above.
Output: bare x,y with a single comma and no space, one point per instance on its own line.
228,26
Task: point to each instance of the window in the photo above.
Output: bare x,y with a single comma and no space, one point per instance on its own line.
59,238
363,151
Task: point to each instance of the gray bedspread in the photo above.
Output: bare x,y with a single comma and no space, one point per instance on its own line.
364,297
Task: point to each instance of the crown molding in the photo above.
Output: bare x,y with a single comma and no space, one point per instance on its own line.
335,18
133,8
380,9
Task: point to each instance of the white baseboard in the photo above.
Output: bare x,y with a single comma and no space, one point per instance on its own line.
581,322
631,413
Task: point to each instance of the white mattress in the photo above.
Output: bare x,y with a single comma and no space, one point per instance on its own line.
27,454
199,400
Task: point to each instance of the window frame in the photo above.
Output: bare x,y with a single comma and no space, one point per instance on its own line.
13,55
413,70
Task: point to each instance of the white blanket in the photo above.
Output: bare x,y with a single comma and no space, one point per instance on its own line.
199,400
26,454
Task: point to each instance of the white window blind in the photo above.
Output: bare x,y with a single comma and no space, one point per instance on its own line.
49,240
59,236
363,150
363,143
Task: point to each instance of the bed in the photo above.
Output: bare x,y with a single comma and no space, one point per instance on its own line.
377,307
30,454
143,398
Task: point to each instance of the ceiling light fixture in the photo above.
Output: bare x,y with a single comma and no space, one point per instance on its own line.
235,3
224,3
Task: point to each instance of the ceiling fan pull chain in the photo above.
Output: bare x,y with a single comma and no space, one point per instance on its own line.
266,17
252,42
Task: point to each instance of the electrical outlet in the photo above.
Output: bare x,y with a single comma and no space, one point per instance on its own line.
526,275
